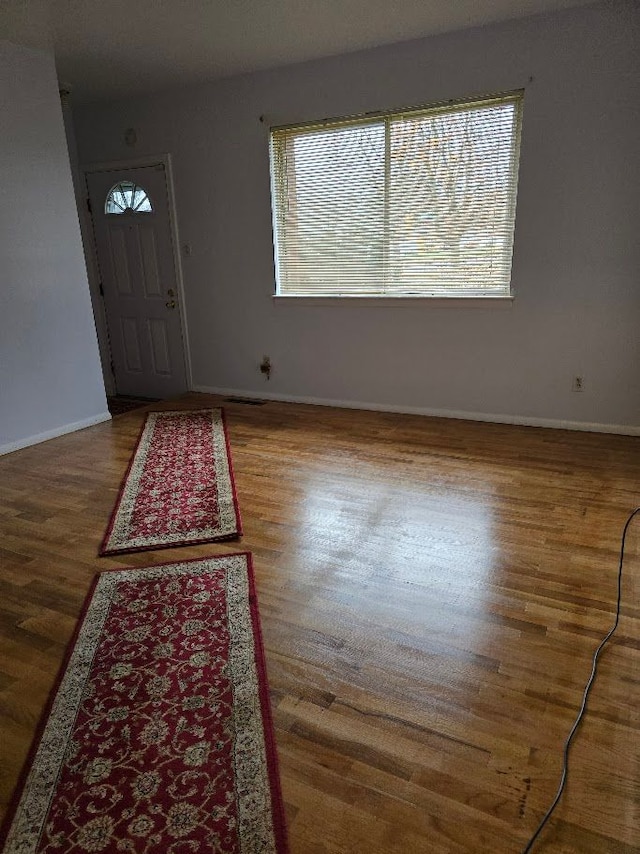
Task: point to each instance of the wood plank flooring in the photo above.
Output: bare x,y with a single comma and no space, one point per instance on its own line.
431,594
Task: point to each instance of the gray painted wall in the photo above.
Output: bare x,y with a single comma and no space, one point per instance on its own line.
577,254
50,377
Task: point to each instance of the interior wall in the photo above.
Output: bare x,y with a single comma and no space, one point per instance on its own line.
86,233
576,258
50,378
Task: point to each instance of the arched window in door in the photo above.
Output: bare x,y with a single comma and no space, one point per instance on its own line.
127,197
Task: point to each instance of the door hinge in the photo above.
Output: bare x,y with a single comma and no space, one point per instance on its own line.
89,205
101,289
113,367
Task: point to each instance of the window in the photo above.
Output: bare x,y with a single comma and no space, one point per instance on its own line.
127,197
404,204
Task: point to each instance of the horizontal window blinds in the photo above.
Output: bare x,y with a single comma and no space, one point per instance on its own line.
418,203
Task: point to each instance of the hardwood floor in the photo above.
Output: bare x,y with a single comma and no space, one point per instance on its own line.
431,594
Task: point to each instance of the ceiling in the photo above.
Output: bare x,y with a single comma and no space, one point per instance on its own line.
112,48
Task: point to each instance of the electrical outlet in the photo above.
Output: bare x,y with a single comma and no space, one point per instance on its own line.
577,384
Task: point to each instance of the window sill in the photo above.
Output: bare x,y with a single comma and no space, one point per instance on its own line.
501,302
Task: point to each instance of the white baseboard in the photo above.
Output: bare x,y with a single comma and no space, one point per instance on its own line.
53,434
523,420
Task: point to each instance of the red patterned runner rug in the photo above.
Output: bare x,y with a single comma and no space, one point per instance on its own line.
159,736
179,487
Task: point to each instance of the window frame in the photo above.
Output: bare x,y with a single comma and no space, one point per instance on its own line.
441,298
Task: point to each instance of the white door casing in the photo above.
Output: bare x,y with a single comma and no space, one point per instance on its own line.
138,275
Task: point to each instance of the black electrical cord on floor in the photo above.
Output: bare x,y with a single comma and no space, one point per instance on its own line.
596,655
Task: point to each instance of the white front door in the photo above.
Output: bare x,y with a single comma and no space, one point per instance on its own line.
134,245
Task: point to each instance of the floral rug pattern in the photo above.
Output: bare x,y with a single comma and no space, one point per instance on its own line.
179,489
159,737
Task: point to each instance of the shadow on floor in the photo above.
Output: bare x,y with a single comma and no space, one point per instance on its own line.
119,404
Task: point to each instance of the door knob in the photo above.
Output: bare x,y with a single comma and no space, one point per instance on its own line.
171,303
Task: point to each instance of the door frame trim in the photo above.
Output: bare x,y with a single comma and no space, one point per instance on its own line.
102,326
